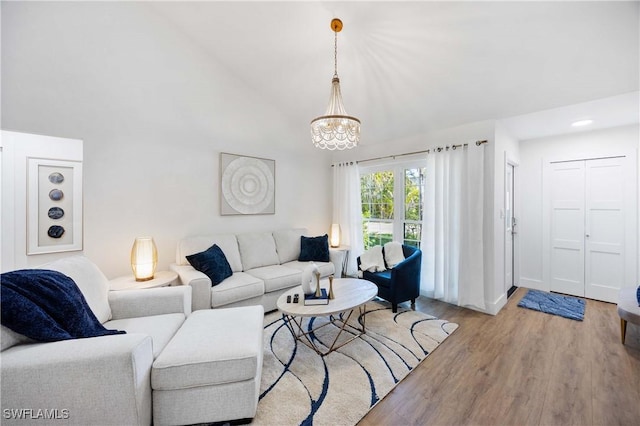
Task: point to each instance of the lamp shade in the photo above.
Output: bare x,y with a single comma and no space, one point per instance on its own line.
144,258
334,235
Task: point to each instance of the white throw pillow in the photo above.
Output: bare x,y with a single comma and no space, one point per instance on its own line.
372,260
393,254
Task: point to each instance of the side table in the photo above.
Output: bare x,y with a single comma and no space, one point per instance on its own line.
345,259
128,282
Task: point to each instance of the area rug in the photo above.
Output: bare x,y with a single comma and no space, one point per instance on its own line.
299,387
556,304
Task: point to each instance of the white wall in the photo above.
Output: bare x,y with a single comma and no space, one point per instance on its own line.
16,149
532,154
154,112
506,148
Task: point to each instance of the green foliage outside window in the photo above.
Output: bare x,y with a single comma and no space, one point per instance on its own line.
378,213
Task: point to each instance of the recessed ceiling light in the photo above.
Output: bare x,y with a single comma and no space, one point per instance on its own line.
581,123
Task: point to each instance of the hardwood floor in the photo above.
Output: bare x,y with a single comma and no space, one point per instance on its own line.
521,367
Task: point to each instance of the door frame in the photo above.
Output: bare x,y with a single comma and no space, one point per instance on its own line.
515,273
632,255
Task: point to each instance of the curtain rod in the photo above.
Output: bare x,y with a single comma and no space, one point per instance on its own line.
438,149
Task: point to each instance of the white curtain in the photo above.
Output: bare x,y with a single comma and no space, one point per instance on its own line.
452,238
347,210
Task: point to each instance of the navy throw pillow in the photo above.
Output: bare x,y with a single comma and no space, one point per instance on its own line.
213,263
314,249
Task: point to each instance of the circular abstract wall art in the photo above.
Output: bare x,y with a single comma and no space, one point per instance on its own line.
248,185
56,194
56,177
55,213
55,231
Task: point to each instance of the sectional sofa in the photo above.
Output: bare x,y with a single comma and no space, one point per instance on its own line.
171,367
264,266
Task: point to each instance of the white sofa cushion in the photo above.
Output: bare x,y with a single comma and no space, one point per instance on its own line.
277,277
257,249
288,243
91,281
325,268
212,347
10,338
161,328
197,244
239,286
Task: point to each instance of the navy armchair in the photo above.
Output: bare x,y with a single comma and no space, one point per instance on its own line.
401,283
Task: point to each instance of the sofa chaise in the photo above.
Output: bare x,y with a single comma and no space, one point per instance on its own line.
264,266
171,366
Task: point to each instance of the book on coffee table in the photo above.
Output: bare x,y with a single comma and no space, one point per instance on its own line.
312,299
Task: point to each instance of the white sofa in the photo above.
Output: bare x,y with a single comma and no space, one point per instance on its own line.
264,266
115,379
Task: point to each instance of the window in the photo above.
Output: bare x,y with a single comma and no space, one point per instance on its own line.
392,204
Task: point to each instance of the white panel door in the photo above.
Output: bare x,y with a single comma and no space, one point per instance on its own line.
508,246
567,192
605,228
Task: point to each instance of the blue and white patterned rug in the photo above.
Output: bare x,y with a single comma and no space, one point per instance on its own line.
300,387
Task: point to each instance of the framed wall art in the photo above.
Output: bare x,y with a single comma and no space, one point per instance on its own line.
247,185
54,206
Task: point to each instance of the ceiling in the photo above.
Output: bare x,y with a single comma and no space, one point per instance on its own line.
408,68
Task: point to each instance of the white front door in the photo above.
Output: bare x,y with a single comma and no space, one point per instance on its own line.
567,183
605,228
509,229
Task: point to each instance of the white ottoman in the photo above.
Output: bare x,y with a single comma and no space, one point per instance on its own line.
210,370
628,309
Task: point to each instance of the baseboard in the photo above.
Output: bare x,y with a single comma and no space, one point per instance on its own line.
494,307
533,284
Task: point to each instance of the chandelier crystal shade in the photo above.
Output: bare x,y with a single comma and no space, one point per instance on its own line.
335,129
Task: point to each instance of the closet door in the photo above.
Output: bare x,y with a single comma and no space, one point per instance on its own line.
605,228
567,192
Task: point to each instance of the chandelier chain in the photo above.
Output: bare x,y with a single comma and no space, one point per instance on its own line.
335,54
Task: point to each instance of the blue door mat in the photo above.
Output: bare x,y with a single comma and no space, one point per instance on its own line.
555,304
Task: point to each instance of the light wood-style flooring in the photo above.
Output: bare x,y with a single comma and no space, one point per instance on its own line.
521,367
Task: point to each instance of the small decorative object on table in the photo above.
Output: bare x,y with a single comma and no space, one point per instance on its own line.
307,282
331,295
318,289
314,299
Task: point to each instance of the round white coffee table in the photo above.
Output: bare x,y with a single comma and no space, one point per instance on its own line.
351,294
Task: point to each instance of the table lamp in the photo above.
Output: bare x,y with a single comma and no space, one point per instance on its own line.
144,258
334,235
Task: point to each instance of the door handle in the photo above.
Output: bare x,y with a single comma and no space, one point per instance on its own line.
587,235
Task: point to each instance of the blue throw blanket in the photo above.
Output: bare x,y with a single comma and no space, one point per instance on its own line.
47,306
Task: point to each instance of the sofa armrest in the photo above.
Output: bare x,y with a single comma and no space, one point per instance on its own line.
99,380
148,302
199,283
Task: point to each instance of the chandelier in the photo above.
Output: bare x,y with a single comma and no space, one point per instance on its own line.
335,129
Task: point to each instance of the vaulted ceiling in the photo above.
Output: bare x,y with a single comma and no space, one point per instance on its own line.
408,68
